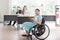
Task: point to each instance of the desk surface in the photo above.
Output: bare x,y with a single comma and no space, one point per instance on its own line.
19,15
8,16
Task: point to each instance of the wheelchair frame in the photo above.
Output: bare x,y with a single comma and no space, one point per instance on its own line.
43,33
43,23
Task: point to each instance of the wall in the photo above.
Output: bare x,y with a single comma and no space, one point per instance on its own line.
4,8
47,7
57,2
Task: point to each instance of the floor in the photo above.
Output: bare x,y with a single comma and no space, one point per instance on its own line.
11,33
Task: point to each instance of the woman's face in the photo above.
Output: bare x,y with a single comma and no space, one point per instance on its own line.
37,12
25,8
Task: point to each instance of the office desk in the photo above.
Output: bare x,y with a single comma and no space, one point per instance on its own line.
19,18
10,17
22,19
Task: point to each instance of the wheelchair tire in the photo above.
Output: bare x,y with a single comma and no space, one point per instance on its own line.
43,33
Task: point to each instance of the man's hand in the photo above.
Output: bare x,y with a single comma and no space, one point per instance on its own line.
32,19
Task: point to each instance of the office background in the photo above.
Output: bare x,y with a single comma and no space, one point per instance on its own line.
43,5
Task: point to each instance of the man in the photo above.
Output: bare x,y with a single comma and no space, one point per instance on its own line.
36,20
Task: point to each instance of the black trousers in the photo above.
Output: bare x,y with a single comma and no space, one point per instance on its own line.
13,23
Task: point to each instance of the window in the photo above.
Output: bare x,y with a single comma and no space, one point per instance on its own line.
47,7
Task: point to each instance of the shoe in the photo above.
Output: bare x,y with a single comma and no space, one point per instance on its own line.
41,39
26,35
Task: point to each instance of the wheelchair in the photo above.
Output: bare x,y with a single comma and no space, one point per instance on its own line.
41,32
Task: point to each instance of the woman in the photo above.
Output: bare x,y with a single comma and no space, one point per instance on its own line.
36,20
25,10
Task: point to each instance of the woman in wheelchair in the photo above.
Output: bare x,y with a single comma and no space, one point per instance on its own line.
36,20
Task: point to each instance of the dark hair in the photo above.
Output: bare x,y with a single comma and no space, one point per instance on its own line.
24,7
37,9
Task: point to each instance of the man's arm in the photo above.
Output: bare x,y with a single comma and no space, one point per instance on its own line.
38,22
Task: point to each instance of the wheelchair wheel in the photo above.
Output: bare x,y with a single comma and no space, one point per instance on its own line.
31,31
41,32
